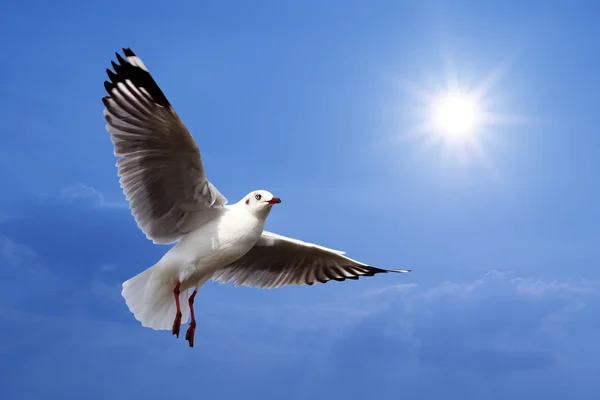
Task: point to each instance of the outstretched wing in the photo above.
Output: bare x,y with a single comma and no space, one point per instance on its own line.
277,261
159,166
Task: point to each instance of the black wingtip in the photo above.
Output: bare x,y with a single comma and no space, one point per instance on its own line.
105,101
111,75
120,59
108,86
137,74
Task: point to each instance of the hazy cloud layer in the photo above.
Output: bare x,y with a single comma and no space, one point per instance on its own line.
458,338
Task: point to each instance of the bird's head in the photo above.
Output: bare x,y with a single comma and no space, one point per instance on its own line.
260,201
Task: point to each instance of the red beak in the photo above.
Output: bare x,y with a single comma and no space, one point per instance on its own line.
274,200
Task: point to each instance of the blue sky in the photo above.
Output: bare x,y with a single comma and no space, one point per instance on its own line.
318,103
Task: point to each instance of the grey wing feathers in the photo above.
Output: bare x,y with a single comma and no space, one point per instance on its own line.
159,165
277,261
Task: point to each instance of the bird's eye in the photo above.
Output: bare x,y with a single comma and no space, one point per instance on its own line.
257,196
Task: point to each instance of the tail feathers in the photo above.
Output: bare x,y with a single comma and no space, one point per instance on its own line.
152,302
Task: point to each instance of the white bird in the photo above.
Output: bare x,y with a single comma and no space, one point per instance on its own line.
172,201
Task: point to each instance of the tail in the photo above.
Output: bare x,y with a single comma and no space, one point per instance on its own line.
150,298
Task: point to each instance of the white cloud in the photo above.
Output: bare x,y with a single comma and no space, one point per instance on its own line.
80,192
540,288
108,267
492,325
495,289
495,324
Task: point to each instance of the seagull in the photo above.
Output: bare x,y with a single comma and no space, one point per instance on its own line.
172,201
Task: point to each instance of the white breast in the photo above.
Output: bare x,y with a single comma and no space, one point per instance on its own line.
214,245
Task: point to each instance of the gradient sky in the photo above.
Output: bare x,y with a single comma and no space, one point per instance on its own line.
320,103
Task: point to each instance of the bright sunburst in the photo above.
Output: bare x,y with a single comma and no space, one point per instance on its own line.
454,114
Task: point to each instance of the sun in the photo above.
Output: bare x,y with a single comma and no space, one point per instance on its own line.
455,115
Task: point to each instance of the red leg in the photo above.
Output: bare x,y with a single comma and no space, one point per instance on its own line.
177,321
189,335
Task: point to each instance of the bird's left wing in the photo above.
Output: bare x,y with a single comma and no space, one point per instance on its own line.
276,261
159,166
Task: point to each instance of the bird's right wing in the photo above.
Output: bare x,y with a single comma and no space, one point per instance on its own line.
160,168
277,261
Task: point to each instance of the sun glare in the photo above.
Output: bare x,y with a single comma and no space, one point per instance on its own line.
455,115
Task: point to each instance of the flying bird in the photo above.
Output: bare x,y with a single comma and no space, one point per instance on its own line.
172,201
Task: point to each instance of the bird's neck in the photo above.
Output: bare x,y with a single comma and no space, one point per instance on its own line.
239,217
241,207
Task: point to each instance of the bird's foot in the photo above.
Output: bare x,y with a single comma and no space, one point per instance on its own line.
189,335
176,324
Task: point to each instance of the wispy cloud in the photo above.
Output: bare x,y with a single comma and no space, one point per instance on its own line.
495,325
107,267
465,332
23,270
16,255
80,192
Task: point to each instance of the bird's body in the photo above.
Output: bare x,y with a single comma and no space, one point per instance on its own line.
192,261
172,201
216,244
